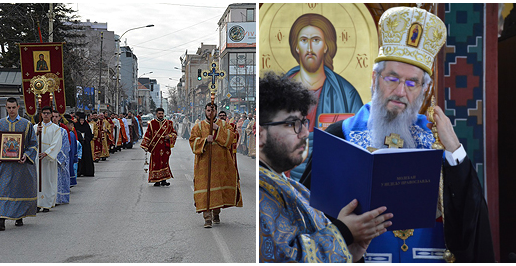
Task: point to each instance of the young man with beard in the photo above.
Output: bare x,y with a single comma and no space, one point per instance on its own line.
223,184
290,229
159,138
399,83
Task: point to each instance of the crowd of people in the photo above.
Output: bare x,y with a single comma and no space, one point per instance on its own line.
56,150
245,127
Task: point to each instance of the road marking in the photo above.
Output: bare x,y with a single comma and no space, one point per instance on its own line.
190,179
223,247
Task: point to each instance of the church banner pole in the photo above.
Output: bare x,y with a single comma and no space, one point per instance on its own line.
39,143
213,73
209,153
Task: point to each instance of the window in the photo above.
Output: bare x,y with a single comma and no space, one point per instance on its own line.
250,15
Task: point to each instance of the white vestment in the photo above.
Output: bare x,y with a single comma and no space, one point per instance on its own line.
117,126
51,142
126,130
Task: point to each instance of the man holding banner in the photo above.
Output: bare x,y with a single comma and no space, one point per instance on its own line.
158,140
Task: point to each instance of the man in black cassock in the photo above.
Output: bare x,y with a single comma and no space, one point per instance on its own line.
399,83
85,166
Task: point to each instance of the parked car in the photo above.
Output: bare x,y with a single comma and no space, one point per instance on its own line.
146,119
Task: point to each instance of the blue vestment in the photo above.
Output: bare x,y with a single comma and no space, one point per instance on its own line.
291,230
79,156
63,170
427,244
18,183
337,96
140,133
73,159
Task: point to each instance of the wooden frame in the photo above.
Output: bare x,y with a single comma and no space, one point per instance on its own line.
11,146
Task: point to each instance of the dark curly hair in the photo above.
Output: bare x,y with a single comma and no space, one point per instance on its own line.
281,93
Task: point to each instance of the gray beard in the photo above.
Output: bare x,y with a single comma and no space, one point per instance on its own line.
382,123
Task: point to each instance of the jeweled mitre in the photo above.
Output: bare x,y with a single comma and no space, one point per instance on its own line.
410,35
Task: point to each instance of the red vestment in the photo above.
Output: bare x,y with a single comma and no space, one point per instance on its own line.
122,137
154,142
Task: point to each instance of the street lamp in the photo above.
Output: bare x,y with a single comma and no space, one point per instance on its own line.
109,78
118,65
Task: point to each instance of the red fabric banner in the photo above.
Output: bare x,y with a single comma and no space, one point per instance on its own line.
42,66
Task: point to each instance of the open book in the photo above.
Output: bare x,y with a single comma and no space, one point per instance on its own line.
406,181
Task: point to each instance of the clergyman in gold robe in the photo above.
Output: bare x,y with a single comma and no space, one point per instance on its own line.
224,182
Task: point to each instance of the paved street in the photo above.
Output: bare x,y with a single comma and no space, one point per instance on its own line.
117,216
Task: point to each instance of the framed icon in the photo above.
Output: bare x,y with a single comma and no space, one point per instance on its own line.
41,61
11,146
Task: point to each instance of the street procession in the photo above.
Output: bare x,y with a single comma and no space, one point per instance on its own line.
104,143
220,132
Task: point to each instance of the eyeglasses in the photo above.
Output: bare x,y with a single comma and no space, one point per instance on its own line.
394,82
46,113
297,124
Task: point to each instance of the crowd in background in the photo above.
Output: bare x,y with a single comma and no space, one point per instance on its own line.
246,127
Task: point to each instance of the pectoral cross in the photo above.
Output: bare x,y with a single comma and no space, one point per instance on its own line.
394,141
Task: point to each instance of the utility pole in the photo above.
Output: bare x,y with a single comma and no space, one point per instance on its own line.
100,73
51,23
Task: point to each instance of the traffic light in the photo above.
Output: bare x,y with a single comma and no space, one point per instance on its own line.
199,77
227,107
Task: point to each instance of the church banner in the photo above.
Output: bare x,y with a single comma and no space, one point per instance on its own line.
42,70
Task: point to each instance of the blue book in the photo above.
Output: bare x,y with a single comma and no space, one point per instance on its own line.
406,181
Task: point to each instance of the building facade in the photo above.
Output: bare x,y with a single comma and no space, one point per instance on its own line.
194,94
237,31
99,48
128,80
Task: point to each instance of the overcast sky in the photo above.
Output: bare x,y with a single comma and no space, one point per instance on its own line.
177,28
